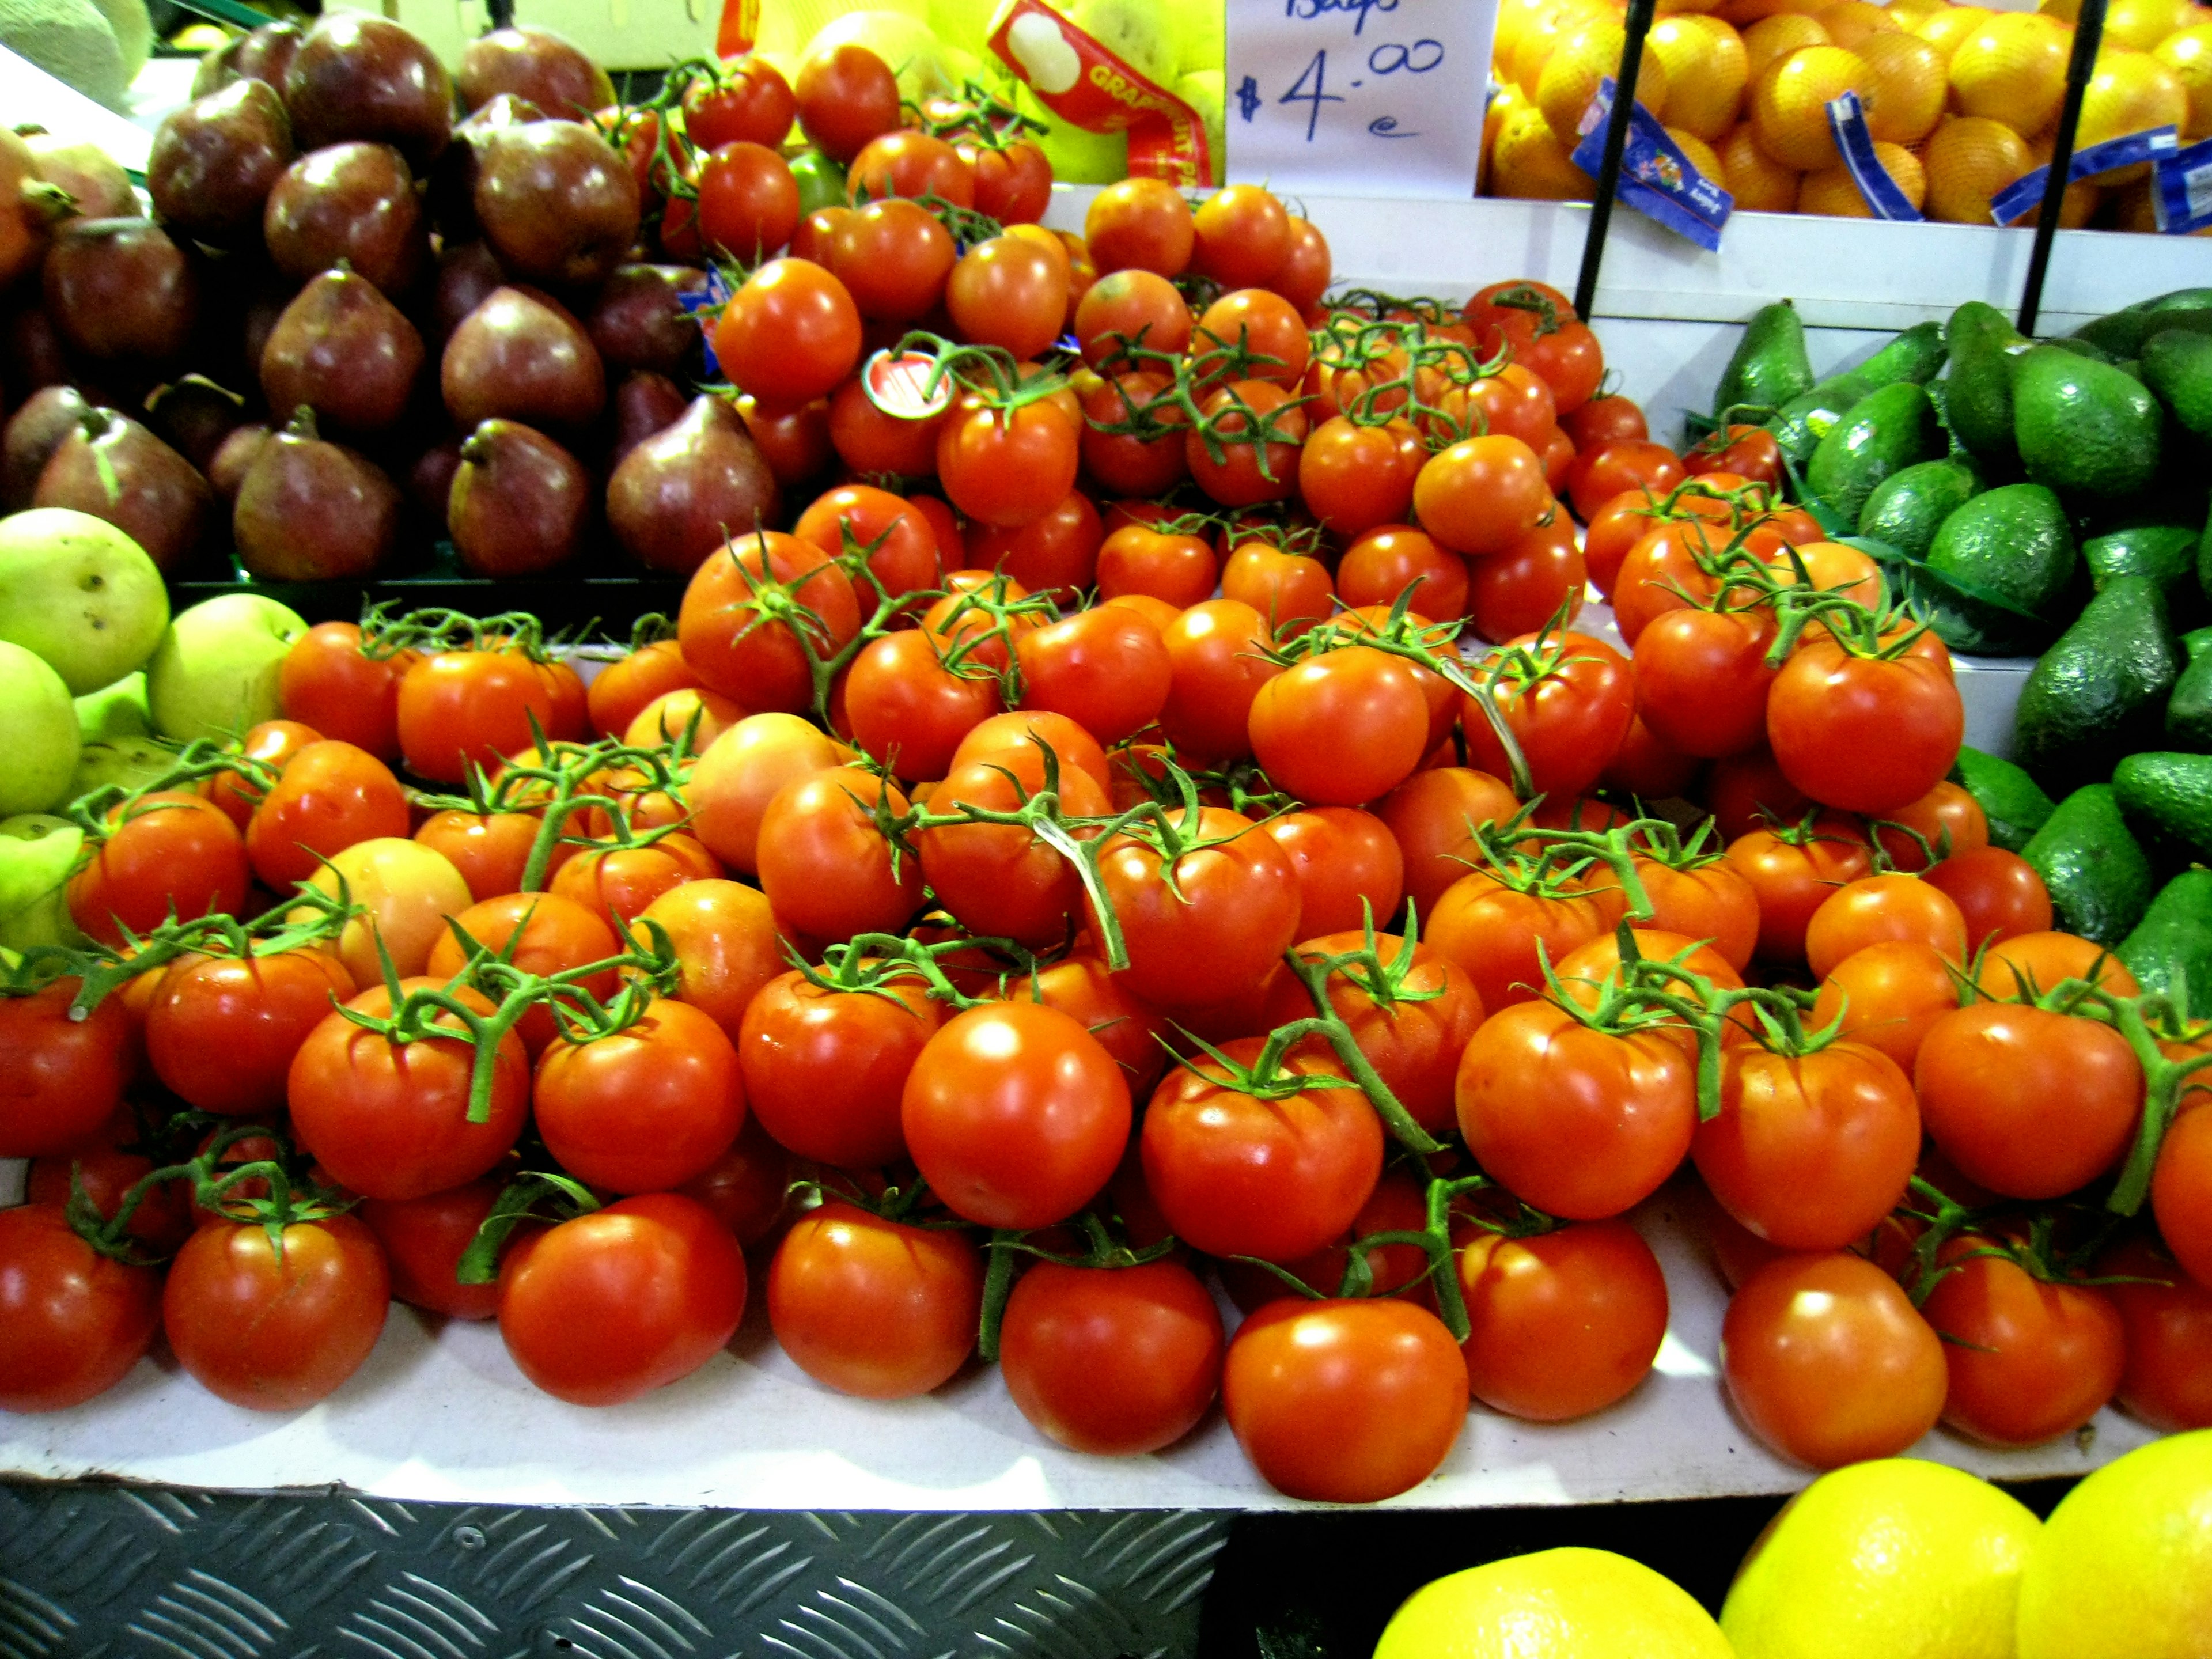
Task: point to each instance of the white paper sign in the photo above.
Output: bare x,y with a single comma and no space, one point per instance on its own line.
1360,97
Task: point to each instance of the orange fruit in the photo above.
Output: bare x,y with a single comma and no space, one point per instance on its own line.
1706,69
1770,39
1968,159
1759,184
1538,35
2129,92
2188,53
1850,22
1944,27
1834,192
1588,52
2141,24
1904,88
1907,13
1743,12
1530,162
1685,8
2082,197
2013,70
1701,154
1789,103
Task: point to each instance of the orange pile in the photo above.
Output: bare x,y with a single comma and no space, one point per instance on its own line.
1960,100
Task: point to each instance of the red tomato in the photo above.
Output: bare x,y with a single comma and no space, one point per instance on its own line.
2166,1381
345,689
1431,816
168,851
742,771
1347,1402
1108,670
748,202
1014,184
1292,591
1599,475
331,795
747,100
1534,580
2030,1360
1341,728
1792,875
1081,988
910,163
1347,865
1055,553
624,880
648,1107
1000,881
1999,894
1481,496
424,1239
1112,1361
753,651
845,96
1215,650
789,334
1829,1362
825,864
2181,1190
1874,908
1568,715
1563,1323
622,1301
909,709
222,1030
60,1078
874,1307
1211,924
1143,223
2030,1103
1131,308
1015,1114
1494,932
823,1069
1135,559
893,256
1008,291
1005,467
478,705
1864,734
1260,428
1388,560
273,743
274,1331
1602,420
76,1320
1889,995
1701,679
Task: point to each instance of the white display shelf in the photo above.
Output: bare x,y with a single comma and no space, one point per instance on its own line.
439,1412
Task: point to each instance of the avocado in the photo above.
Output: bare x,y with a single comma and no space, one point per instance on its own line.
2167,799
2166,553
2189,710
1907,508
2083,427
2013,544
1885,432
2101,690
1978,401
1769,366
2123,332
2098,874
1916,354
2013,802
2170,947
2178,367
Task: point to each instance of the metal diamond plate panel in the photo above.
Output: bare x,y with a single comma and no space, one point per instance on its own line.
105,1572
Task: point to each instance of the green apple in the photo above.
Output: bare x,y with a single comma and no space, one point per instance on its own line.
131,762
39,720
81,593
116,711
36,854
215,672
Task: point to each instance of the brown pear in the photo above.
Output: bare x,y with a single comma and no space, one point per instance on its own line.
535,63
638,319
644,403
343,350
215,160
311,510
467,274
193,415
120,288
48,416
358,75
522,356
520,504
354,202
687,489
556,202
234,459
115,469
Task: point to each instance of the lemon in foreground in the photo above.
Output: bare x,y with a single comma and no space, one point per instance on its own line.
1897,1557
2123,1568
1556,1604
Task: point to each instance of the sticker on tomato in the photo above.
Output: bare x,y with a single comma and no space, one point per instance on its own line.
907,385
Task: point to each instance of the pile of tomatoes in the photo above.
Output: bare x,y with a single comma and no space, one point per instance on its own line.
1001,918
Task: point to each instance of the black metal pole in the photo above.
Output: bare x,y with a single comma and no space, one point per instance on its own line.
1616,141
2088,31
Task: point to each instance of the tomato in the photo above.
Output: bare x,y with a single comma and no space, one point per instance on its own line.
1829,1362
1216,651
1014,184
1055,553
624,880
892,257
1792,875
1181,570
1495,933
874,1307
1143,223
1599,475
1480,497
744,644
1536,580
390,1120
491,850
644,1109
1112,1361
1709,900
1874,908
845,96
272,1331
1000,881
222,1030
1254,334
1129,463
905,162
273,743
2030,1360
1292,591
1889,995
823,1069
1581,1123
60,1078
747,100
748,1187
1342,727
1702,679
1386,560
1213,929
1005,467
171,850
1131,308
1008,291
1259,429
1431,816
909,709
1015,1114
424,1239
1108,670
748,201
163,1217
2030,1103
622,1301
1242,236
2181,1190
462,706
742,771
1865,734
1749,452
1344,1402
1347,864
329,795
1021,737
1238,1174
2031,963
1567,698
903,554
76,1322
344,687
1351,479
1563,1323
1602,420
789,334
2167,1380
1999,895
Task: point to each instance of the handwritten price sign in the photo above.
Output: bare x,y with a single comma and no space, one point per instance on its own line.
1364,97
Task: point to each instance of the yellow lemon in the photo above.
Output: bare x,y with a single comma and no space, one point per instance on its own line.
1770,39
2143,24
2124,1567
2129,92
1905,87
1899,1558
1586,53
1834,192
2188,53
1706,69
1944,27
2013,70
1555,1604
1789,103
1529,160
1969,158
1759,183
